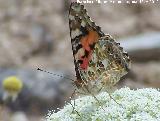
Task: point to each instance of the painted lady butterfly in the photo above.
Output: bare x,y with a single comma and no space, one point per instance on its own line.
99,61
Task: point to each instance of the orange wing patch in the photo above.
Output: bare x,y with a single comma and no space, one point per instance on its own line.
90,39
87,42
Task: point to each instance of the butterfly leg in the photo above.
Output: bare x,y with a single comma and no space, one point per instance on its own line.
86,89
108,81
73,105
93,96
112,97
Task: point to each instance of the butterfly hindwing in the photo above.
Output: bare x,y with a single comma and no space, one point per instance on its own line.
108,64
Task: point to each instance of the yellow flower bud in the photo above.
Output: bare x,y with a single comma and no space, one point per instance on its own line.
12,86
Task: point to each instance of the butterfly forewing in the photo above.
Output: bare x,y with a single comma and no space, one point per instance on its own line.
84,34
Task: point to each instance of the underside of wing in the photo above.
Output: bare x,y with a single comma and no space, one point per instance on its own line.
84,34
99,60
108,64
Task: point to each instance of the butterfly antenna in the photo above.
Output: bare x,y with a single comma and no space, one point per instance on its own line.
55,74
62,77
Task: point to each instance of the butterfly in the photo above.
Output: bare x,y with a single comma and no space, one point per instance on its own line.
99,60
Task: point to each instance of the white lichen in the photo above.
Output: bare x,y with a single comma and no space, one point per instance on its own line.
133,105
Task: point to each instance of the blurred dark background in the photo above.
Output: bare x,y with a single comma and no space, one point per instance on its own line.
35,34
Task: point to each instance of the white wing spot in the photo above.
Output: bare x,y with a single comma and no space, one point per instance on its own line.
75,33
71,17
83,23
